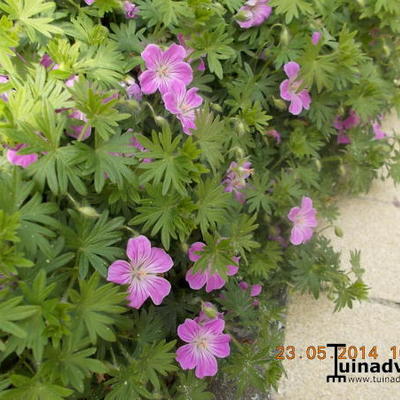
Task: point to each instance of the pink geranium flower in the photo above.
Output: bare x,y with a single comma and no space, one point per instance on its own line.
164,69
133,90
304,220
183,103
205,343
212,280
47,62
275,134
141,273
378,132
131,10
316,37
4,79
255,290
253,13
342,125
89,2
70,82
290,90
23,160
236,176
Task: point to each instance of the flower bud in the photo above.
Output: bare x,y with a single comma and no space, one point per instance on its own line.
160,121
342,170
285,37
216,107
279,104
242,16
88,211
210,312
318,165
338,232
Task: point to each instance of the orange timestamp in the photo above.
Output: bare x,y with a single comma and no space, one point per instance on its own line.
321,352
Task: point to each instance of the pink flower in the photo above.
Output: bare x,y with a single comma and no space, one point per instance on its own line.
131,10
141,272
378,132
89,2
253,13
23,160
212,280
275,134
4,79
290,90
133,90
236,176
316,37
77,129
255,290
48,62
182,103
70,82
164,69
205,343
304,220
342,126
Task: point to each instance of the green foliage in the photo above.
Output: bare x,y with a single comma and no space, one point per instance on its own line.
66,330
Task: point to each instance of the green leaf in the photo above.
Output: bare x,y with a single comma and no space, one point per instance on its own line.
92,239
97,308
291,8
211,205
169,214
11,311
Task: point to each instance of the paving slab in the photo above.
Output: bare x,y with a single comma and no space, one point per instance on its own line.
374,228
313,323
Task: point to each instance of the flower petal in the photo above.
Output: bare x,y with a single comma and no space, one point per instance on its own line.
152,55
138,294
292,69
255,290
293,213
188,330
185,355
214,326
119,272
284,89
196,281
296,236
296,105
206,365
138,249
214,282
182,71
219,345
194,251
158,288
158,262
148,82
174,54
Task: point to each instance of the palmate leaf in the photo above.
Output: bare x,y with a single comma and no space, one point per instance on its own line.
210,136
291,8
215,43
8,40
98,108
158,359
25,11
11,312
211,205
172,165
37,225
109,160
191,388
166,12
71,364
96,308
257,196
171,214
35,388
92,240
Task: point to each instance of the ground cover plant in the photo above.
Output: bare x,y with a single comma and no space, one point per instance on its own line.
168,169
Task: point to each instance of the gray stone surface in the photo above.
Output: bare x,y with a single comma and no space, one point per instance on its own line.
312,323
